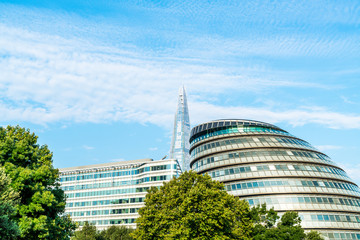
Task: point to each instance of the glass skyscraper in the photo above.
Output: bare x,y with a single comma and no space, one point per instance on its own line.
262,163
180,139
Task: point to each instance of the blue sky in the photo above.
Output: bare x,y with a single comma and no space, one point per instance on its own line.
98,80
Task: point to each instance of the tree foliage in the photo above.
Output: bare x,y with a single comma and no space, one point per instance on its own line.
193,207
89,232
196,207
266,226
314,235
40,210
116,233
8,198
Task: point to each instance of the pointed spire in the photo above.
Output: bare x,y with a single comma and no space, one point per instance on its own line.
181,133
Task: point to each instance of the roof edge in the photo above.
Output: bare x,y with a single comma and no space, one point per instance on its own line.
109,164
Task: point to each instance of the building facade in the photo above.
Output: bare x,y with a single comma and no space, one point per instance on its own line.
112,193
263,163
181,133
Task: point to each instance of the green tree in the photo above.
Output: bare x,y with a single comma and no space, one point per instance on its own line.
193,207
88,232
263,220
40,211
313,235
117,233
288,228
8,198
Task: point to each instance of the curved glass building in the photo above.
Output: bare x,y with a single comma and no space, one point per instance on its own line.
262,163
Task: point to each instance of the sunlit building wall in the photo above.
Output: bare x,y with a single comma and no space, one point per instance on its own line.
263,163
112,193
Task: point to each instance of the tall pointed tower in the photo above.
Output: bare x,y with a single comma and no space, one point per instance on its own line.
180,139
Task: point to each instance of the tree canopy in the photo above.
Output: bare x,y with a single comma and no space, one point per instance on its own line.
89,232
193,207
8,198
40,209
116,232
267,226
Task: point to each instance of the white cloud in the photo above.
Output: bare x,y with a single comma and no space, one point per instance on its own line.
48,79
297,117
286,45
347,100
88,147
353,170
153,148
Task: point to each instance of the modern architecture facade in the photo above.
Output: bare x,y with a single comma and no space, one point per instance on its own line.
112,193
181,133
262,163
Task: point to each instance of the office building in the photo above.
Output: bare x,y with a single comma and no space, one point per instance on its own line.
181,133
111,193
262,163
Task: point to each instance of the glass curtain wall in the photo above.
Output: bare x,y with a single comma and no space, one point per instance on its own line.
179,149
262,163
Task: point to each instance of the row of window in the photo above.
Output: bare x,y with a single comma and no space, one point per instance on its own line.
237,129
107,192
88,213
341,236
293,141
117,183
116,173
246,140
335,218
304,199
312,155
277,167
107,222
293,183
261,153
105,202
103,212
122,211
